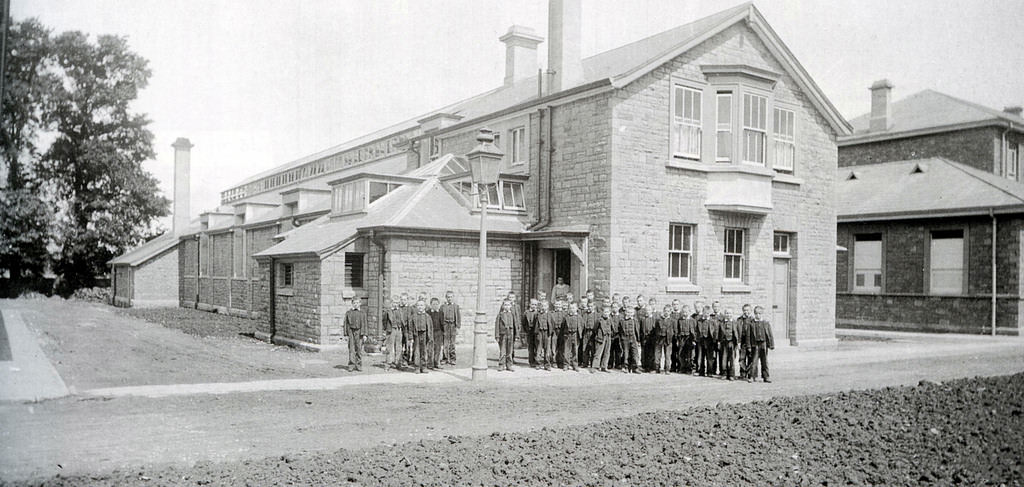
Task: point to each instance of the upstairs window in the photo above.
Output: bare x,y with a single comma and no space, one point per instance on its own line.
723,133
506,195
946,262
518,148
354,269
350,196
867,263
493,198
1012,162
512,196
755,128
686,122
785,140
379,188
680,251
734,250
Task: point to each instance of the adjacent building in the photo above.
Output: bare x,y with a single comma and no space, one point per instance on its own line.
698,162
923,186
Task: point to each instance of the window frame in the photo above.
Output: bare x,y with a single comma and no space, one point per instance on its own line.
729,127
1012,166
864,288
686,238
349,277
782,251
517,146
285,275
964,258
675,120
763,131
741,254
782,140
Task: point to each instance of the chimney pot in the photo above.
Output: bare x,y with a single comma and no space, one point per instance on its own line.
1013,110
881,109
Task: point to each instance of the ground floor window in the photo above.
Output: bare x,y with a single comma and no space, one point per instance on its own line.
867,263
946,262
354,269
286,275
680,251
734,250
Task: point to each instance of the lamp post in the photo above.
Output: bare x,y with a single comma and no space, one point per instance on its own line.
484,163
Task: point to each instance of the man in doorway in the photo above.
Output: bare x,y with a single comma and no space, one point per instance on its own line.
560,291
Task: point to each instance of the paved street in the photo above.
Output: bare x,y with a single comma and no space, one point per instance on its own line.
106,428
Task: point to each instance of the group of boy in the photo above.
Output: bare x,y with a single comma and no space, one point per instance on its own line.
634,336
417,333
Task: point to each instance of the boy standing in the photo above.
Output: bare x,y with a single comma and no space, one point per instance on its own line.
355,323
542,336
687,331
630,340
504,331
392,321
572,327
556,316
648,321
705,343
664,333
586,346
728,340
602,340
529,325
452,323
421,325
437,333
758,341
742,324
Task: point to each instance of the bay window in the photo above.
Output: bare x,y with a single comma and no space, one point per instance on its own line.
723,132
755,128
686,122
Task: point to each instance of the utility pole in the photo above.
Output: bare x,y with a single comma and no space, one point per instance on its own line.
4,23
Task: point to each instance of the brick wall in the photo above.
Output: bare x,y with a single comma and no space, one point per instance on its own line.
646,196
974,147
156,281
905,302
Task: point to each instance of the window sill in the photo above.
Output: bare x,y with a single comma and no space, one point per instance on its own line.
287,291
720,167
674,286
346,213
782,255
736,288
866,291
496,211
787,178
351,292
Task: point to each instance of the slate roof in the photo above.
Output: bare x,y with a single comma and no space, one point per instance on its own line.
922,188
929,110
619,65
146,251
416,206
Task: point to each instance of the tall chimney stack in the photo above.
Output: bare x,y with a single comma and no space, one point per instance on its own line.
520,53
881,110
182,164
564,18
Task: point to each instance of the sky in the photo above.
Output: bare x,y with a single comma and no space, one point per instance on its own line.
258,83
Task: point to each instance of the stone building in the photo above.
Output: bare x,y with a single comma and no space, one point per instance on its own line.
698,162
147,275
923,185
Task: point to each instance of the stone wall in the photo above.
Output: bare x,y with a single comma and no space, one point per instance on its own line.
905,302
647,195
297,308
122,285
973,147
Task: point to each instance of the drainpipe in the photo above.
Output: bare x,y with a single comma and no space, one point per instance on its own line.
195,302
272,311
380,278
992,213
544,217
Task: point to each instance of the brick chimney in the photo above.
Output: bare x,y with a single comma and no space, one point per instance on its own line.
1013,110
520,53
881,109
182,165
564,19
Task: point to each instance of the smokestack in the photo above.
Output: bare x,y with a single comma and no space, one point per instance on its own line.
564,18
520,53
881,110
182,164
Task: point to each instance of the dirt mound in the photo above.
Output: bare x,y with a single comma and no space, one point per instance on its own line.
966,432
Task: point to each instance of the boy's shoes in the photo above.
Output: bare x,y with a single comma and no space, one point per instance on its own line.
767,381
750,380
423,371
509,368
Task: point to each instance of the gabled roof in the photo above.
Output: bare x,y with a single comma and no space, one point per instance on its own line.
922,188
146,251
417,206
616,67
929,111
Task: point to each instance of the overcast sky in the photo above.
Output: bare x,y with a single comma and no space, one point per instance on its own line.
258,83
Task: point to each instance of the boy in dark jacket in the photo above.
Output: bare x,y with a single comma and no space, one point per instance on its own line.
572,329
758,341
728,341
542,336
355,323
602,341
504,331
664,332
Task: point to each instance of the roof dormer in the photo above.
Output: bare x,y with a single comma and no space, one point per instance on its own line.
355,193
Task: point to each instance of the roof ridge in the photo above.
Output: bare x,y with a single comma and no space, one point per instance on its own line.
963,168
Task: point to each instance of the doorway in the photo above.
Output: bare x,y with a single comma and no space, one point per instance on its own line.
780,302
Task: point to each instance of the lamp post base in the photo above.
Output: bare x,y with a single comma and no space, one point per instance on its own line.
480,346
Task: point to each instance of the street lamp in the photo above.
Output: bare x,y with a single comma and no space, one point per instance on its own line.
484,163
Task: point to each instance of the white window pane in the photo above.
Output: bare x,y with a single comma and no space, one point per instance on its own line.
867,255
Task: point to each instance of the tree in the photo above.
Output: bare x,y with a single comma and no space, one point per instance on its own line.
24,215
95,162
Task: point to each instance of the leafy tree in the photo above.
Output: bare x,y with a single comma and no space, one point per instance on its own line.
95,162
28,84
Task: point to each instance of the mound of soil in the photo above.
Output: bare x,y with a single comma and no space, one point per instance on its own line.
966,432
195,322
